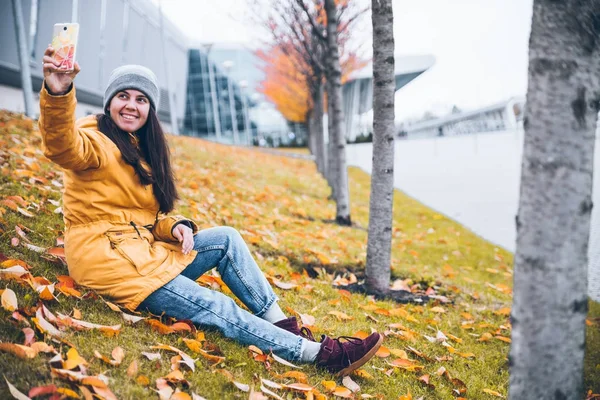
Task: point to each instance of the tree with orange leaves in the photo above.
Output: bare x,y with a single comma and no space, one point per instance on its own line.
295,70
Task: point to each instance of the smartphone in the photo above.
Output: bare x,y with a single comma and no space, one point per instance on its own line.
64,42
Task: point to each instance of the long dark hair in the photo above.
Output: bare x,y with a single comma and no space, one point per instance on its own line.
154,150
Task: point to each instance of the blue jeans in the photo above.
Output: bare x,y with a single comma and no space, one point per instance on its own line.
183,298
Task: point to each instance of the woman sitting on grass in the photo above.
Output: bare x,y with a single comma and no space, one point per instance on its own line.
118,180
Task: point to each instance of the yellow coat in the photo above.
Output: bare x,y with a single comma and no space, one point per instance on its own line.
102,198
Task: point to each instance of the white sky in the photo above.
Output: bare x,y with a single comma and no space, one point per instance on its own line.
480,46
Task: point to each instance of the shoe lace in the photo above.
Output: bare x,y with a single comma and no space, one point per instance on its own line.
345,355
307,334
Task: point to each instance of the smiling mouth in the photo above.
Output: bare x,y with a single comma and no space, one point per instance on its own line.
127,117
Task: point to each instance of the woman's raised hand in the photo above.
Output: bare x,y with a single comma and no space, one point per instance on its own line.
57,81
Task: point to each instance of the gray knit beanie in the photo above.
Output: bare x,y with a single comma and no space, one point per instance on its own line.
132,77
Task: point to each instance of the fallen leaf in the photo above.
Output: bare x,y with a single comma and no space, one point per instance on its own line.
363,374
9,300
118,354
271,384
425,380
343,392
492,392
29,336
159,327
187,360
132,370
439,310
383,352
503,311
301,387
15,392
350,384
73,360
67,392
341,316
18,350
42,390
284,362
297,375
270,393
329,386
151,356
131,318
242,386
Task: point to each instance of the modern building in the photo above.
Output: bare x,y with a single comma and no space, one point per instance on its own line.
117,32
112,33
506,115
357,91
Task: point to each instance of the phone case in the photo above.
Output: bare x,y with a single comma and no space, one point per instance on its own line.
64,42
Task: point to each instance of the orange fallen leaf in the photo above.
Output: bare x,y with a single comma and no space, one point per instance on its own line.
492,392
503,311
132,370
343,392
341,316
502,338
24,352
383,352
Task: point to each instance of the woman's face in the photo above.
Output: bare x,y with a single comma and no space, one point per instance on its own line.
129,109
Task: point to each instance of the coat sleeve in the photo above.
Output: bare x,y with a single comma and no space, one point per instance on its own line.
63,142
163,228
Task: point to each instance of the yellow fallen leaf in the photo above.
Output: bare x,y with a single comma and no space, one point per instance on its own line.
343,392
485,337
439,310
329,386
363,374
73,359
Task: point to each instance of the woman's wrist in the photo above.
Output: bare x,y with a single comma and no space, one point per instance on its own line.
57,93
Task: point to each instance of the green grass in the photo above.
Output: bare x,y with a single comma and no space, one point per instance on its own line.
280,206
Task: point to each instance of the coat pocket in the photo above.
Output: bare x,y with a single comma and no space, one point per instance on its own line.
135,249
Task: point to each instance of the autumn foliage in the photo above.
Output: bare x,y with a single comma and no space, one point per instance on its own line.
288,71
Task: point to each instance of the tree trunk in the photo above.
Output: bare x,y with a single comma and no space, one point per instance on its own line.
331,154
382,176
310,132
318,129
337,135
553,223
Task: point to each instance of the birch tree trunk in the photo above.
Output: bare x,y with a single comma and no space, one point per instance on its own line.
550,281
382,177
331,153
337,135
318,129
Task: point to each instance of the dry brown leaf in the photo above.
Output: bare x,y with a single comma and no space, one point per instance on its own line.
425,380
341,316
132,370
363,374
18,350
159,327
297,375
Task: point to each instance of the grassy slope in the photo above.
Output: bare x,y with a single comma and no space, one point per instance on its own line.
280,205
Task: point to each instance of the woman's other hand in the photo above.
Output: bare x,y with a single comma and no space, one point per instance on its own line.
185,235
57,81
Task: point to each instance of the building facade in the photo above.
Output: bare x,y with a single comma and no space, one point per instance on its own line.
503,116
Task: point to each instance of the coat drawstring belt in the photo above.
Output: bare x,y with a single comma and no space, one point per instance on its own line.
136,229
